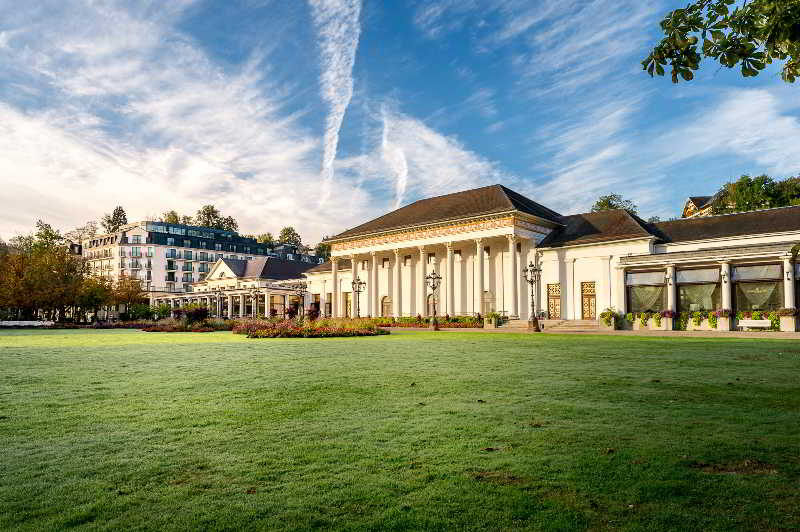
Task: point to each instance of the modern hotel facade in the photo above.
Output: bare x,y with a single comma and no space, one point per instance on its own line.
171,257
480,240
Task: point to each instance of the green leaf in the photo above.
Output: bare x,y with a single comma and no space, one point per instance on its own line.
659,70
717,35
687,75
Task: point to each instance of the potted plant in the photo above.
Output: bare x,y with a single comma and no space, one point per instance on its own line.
723,319
609,319
668,319
491,320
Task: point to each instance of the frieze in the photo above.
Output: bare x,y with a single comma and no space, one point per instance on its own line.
422,234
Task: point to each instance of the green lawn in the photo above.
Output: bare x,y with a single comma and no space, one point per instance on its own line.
124,429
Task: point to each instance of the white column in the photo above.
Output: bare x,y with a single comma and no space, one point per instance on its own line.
788,284
513,275
242,305
672,302
374,292
230,306
422,289
478,304
397,285
451,285
725,272
323,300
335,280
354,272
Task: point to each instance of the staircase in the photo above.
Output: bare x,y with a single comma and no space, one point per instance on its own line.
557,325
574,326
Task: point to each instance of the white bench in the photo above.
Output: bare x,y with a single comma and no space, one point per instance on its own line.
26,323
755,324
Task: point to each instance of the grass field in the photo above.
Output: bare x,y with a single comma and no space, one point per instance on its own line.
124,429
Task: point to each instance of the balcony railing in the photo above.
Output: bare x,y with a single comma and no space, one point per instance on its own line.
135,265
136,253
187,268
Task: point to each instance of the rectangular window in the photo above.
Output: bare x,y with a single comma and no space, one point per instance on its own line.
431,258
697,297
763,295
136,239
647,278
187,243
187,254
149,252
172,253
170,241
646,291
752,273
218,246
203,244
709,275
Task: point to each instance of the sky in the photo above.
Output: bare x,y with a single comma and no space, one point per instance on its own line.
322,114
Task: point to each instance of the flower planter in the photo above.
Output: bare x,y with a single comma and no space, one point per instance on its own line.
788,324
489,323
724,324
704,325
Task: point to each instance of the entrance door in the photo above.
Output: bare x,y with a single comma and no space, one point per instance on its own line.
588,296
554,301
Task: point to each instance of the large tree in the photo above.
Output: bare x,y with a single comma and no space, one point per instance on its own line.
128,291
171,217
289,235
87,230
754,193
323,249
265,238
752,35
111,222
210,216
612,202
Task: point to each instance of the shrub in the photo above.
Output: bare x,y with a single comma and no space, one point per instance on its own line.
609,316
630,316
698,317
194,313
644,317
657,318
713,319
316,329
775,321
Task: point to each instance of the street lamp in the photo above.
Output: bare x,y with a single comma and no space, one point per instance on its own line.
433,280
532,274
358,287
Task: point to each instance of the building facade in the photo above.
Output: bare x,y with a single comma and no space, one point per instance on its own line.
170,257
236,288
480,240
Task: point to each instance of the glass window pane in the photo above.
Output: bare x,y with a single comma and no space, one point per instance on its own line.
698,276
765,271
695,297
633,279
646,298
759,296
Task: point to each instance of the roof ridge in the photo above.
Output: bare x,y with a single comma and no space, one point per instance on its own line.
677,220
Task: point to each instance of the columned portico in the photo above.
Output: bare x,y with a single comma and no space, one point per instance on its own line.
672,302
422,289
374,291
396,304
478,304
335,281
513,276
788,284
450,280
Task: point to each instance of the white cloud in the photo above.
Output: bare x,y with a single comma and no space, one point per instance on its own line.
133,112
337,22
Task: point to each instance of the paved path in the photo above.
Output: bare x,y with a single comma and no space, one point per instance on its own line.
690,334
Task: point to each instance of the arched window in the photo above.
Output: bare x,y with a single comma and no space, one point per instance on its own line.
386,306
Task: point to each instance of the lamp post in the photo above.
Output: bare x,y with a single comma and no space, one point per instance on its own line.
532,274
433,280
358,287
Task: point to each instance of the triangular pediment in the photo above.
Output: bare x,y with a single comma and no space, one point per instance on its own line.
221,270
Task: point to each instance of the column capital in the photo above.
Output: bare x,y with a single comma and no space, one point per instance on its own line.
449,246
373,253
421,249
479,241
512,238
396,252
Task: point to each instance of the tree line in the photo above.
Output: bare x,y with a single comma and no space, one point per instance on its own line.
41,279
744,194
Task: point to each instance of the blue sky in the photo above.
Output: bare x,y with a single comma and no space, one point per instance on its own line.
325,113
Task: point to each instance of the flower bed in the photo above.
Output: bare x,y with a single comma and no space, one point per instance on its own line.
174,328
311,329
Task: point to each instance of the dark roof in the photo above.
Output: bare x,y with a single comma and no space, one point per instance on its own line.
742,223
593,227
344,264
700,201
268,268
479,201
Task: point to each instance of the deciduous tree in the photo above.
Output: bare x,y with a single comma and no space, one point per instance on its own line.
289,235
752,35
614,201
113,221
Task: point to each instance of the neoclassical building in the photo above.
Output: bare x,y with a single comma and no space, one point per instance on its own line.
480,240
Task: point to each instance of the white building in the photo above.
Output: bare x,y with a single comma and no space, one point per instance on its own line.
480,240
170,257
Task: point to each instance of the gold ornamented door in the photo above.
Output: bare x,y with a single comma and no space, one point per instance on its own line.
588,299
554,301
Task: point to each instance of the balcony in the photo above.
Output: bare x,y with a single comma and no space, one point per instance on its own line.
169,278
148,265
173,255
187,268
135,265
172,266
136,254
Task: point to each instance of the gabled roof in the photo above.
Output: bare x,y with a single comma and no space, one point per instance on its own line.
267,268
776,220
493,199
344,264
700,201
596,227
